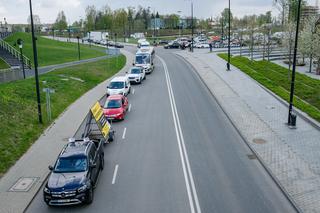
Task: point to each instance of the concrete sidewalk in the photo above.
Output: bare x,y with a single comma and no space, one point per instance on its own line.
21,183
291,156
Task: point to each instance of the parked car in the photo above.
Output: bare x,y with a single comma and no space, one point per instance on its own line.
172,45
115,107
163,42
75,173
118,45
119,85
136,75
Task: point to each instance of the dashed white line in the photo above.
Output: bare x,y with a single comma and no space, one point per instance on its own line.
115,174
129,108
133,91
124,133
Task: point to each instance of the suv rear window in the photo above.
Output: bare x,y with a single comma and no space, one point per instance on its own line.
116,85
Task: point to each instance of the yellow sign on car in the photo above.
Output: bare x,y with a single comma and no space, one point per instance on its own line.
102,122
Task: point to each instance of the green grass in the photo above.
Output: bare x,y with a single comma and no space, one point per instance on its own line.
18,110
3,64
275,78
54,52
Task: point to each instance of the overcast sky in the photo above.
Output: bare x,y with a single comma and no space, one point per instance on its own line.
17,11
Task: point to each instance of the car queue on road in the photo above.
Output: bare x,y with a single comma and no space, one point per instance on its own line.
74,175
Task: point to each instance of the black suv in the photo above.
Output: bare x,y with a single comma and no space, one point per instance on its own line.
75,173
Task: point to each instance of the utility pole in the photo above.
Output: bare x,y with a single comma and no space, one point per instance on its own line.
291,116
229,32
35,57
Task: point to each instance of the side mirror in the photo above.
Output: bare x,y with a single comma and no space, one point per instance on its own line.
50,167
93,165
152,63
127,87
107,87
127,72
133,63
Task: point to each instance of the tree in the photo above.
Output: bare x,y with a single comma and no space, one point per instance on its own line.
36,20
306,37
90,22
61,22
288,41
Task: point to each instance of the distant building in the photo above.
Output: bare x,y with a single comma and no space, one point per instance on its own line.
156,23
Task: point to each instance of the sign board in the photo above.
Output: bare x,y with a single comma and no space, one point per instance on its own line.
101,120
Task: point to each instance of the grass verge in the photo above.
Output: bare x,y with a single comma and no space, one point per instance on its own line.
18,110
277,79
3,64
54,52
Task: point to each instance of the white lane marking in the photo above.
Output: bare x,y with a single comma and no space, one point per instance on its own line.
129,108
181,144
133,91
115,174
124,133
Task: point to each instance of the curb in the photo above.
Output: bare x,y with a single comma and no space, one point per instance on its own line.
269,172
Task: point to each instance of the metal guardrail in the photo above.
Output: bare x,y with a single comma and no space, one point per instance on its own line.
15,53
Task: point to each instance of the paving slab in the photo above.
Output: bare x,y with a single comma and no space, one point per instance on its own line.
23,180
291,156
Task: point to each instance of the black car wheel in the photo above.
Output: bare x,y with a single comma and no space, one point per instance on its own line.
102,162
89,196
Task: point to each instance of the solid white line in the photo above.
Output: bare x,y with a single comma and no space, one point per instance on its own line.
181,144
115,174
129,108
124,133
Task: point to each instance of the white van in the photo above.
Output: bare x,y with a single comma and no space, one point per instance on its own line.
119,85
144,58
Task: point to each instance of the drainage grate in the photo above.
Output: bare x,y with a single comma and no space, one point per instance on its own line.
259,141
24,184
252,156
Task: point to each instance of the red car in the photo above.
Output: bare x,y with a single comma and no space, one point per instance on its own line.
116,107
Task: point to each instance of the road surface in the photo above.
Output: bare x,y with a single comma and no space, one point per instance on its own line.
176,151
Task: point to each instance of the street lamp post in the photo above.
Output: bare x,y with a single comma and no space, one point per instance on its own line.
229,32
191,26
78,47
291,115
20,43
179,11
35,57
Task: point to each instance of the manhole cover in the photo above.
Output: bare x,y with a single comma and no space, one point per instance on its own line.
252,156
206,67
259,141
24,184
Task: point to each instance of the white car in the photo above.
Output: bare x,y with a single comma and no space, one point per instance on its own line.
136,75
119,85
202,45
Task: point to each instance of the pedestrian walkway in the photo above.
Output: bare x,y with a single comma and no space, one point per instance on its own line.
21,183
291,156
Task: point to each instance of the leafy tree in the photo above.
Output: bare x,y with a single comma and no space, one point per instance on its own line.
61,22
91,14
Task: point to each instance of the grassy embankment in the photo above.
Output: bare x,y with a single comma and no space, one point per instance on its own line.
3,64
275,78
18,110
54,52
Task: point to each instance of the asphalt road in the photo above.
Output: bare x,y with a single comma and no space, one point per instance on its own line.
177,152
